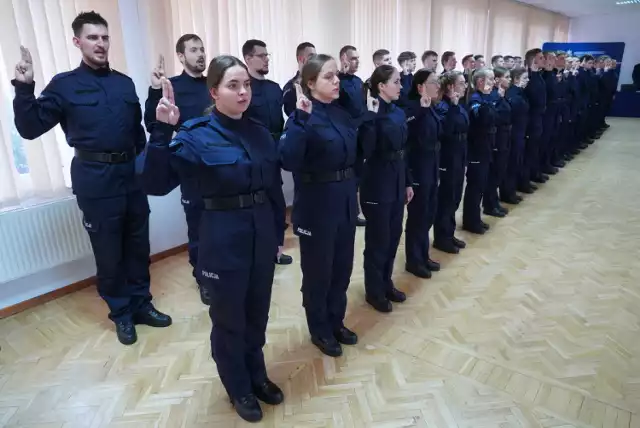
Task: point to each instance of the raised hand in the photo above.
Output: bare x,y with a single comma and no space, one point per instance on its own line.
501,91
157,74
373,104
488,86
24,69
167,111
302,102
455,98
425,100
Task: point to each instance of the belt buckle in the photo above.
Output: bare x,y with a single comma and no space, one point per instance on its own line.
258,197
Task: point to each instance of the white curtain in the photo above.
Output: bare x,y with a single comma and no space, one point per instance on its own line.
33,171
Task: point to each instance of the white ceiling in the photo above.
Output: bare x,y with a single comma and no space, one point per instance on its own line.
573,8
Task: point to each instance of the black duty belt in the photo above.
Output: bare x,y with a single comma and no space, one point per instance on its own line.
492,130
111,157
224,203
394,155
327,176
505,128
460,137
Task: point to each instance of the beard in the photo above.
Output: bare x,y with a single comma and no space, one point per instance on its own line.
197,67
263,71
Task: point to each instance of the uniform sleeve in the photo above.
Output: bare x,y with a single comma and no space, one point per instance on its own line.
141,136
368,137
34,117
153,98
293,141
288,99
154,165
276,195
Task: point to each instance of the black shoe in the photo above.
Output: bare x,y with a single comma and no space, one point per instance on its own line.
568,157
345,336
559,164
328,346
151,317
380,304
396,295
533,187
419,271
433,266
503,209
511,200
459,242
360,222
126,332
606,126
575,152
268,392
519,198
526,189
205,295
538,179
449,246
284,259
248,408
495,213
478,230
485,225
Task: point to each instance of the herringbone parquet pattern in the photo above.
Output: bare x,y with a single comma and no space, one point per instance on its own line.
535,324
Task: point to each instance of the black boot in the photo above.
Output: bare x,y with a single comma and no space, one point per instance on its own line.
126,332
248,408
345,336
152,317
268,392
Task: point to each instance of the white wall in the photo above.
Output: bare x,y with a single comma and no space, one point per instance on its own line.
618,27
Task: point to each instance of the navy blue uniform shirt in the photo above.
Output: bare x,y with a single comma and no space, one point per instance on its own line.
99,111
383,140
228,157
454,120
482,127
519,109
422,142
266,105
352,95
191,96
536,92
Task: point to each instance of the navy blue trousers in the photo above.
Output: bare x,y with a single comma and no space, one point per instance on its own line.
193,213
239,314
548,137
477,174
381,239
421,213
326,260
118,229
449,197
531,164
497,169
516,156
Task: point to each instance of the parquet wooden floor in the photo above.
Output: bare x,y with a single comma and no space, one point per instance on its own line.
535,324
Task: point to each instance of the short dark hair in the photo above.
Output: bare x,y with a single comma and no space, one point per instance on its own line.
587,57
92,17
428,54
381,74
302,46
180,44
379,54
347,48
501,71
516,73
531,54
467,58
495,58
477,57
446,56
508,57
517,57
250,45
406,56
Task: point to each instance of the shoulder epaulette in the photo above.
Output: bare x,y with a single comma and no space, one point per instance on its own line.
196,122
119,73
64,75
257,122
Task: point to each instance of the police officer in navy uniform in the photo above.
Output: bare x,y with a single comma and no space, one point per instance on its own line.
385,187
407,62
536,93
100,114
266,105
319,146
304,51
235,162
192,97
551,117
482,136
423,158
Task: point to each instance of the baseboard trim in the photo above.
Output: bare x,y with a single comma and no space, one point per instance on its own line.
76,286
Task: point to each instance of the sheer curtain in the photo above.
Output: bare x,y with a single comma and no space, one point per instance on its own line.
32,171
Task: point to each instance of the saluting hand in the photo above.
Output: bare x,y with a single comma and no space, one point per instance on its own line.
373,104
455,98
302,102
425,100
167,111
157,74
24,69
501,91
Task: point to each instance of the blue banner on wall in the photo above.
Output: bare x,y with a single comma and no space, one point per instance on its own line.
625,104
614,50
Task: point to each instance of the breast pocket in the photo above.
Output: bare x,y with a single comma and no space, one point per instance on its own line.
85,111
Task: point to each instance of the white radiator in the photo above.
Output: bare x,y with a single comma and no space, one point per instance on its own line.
41,237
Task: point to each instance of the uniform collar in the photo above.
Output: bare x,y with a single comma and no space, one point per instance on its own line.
102,71
385,107
186,75
225,120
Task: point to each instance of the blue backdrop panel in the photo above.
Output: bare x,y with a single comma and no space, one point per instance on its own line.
626,104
